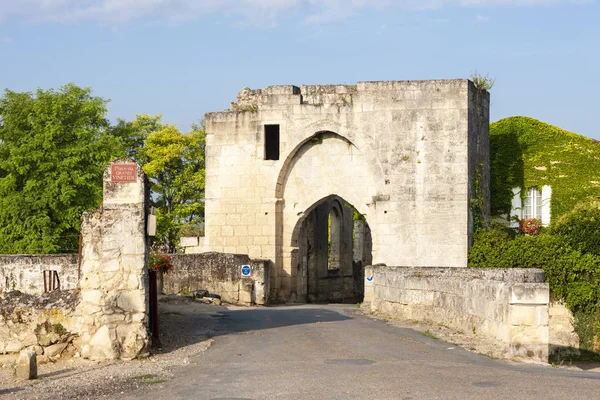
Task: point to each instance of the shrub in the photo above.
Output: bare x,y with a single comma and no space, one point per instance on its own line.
580,228
571,275
572,272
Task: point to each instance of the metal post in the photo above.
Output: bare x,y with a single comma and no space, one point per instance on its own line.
153,307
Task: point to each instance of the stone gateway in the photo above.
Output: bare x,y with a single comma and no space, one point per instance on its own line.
322,180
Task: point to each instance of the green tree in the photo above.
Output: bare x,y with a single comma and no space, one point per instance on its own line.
134,133
54,146
174,164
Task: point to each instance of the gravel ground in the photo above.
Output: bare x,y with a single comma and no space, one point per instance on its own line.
186,331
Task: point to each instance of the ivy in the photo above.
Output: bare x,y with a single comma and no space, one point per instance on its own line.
569,253
525,153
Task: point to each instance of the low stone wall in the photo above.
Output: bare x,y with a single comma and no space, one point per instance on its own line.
25,272
509,306
46,324
220,274
563,337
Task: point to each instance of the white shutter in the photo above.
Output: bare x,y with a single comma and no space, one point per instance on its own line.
516,209
546,194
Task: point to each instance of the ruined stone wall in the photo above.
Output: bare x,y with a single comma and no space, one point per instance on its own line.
400,152
219,274
114,277
509,306
25,272
46,324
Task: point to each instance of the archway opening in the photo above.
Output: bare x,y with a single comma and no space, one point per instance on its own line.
334,245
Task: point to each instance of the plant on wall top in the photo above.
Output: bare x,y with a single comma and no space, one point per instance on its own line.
482,82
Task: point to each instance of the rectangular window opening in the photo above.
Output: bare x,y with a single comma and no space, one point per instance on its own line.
533,204
271,142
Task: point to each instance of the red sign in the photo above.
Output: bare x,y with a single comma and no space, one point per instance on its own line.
123,173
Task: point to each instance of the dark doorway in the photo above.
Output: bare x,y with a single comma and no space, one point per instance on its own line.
334,247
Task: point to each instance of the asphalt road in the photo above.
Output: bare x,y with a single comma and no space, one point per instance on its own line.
332,352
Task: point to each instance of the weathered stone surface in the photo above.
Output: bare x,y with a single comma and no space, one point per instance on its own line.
407,155
55,349
30,321
25,273
102,345
563,337
493,303
114,276
26,365
217,274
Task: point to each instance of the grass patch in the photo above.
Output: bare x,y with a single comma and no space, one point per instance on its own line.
429,334
488,356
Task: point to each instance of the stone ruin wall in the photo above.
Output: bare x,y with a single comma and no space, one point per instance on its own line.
46,324
406,154
508,306
25,273
219,274
114,278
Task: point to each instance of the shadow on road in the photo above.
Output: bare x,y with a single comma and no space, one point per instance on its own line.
186,324
268,318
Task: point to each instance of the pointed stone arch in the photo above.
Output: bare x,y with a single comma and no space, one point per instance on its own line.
324,164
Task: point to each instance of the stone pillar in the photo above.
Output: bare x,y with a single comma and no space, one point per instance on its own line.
358,240
369,287
114,278
528,321
26,365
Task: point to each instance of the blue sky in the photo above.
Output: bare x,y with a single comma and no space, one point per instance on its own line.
182,58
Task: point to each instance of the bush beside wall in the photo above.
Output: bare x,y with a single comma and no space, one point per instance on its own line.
569,253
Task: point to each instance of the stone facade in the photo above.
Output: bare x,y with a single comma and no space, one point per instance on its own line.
409,156
509,306
114,277
219,274
25,273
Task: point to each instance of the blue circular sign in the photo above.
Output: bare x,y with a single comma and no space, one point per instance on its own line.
246,270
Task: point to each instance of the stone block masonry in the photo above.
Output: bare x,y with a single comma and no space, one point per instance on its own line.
220,274
509,306
114,278
410,156
25,273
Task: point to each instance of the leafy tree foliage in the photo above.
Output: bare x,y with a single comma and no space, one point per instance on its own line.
174,164
54,146
134,133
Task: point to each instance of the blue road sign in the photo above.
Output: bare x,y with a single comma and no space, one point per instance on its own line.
246,270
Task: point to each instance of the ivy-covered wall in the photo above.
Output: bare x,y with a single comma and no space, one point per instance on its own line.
525,152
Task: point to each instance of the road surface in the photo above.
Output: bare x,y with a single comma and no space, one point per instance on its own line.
333,352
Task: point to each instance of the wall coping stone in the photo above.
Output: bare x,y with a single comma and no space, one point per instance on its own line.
520,275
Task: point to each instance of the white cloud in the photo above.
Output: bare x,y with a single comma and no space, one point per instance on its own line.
482,18
311,11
